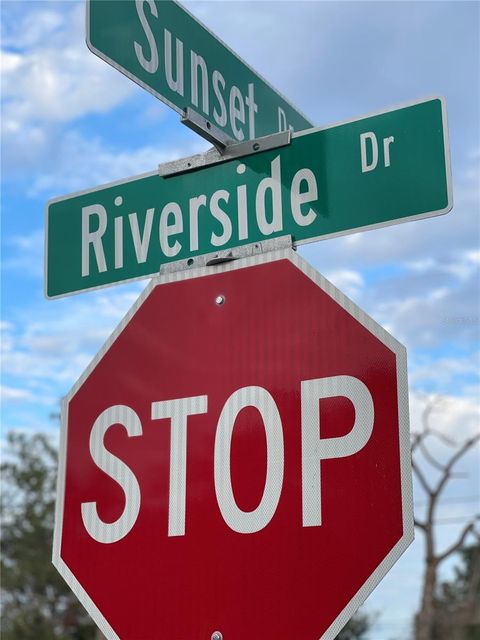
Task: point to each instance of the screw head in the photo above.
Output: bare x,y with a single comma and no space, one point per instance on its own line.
216,635
219,300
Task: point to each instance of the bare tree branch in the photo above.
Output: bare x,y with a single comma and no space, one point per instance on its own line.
445,472
468,444
458,544
420,525
416,437
421,478
428,456
427,429
443,438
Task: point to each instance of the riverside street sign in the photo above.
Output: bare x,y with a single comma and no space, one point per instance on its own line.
382,169
164,49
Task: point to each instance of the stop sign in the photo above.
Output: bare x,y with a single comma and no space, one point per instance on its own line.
235,461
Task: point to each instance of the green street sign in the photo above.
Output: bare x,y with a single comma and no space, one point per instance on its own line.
379,170
163,48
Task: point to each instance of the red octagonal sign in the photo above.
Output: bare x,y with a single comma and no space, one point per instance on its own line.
235,460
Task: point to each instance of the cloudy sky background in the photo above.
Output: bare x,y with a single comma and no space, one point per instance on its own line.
71,122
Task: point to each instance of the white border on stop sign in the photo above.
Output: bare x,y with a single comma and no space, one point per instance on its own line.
403,421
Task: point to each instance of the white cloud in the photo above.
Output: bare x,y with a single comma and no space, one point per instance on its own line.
467,187
49,78
431,320
447,372
52,76
462,266
45,350
24,254
81,163
455,417
50,81
421,279
12,394
349,282
27,29
51,349
10,62
421,265
432,302
468,264
338,60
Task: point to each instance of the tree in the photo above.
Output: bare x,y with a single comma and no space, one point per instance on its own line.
457,603
36,602
424,623
357,628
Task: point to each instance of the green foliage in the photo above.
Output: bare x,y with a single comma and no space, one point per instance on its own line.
465,582
36,602
457,602
357,628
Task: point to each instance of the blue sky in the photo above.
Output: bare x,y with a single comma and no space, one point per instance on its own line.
71,122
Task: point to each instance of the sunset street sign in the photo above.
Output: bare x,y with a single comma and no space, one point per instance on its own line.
382,169
163,48
235,461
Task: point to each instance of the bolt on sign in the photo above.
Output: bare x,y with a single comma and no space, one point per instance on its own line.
163,48
235,461
378,170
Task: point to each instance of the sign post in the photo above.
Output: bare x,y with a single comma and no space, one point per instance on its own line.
379,170
235,460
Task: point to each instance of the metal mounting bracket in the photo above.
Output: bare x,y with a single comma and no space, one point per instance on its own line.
227,255
206,129
230,152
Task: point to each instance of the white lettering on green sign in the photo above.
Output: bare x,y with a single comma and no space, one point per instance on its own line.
223,205
227,105
377,170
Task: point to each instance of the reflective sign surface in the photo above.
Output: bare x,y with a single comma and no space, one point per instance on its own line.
382,169
236,458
